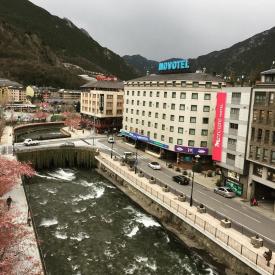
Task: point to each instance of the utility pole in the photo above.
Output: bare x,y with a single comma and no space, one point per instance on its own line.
192,186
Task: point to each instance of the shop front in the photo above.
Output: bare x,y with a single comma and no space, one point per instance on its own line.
186,153
232,180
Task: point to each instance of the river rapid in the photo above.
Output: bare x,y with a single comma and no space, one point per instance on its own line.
87,226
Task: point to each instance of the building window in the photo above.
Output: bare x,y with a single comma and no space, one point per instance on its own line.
165,94
180,130
143,113
259,135
236,97
127,92
150,104
266,136
260,97
142,122
137,102
132,111
137,112
156,125
179,141
192,131
171,128
127,101
174,94
271,98
126,110
191,143
230,156
234,112
271,175
192,119
195,84
194,96
149,114
149,123
155,136
183,83
207,96
182,107
131,120
157,94
170,140
138,93
204,132
233,126
156,115
257,170
181,118
163,116
136,121
164,105
148,133
144,103
144,93
205,120
232,141
162,137
163,127
206,108
151,93
173,106
182,95
193,107
133,93
272,156
157,104
203,143
172,117
265,155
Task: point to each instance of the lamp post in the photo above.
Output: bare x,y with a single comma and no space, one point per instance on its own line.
192,186
112,139
136,156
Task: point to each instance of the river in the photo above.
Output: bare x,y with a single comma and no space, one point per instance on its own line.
87,226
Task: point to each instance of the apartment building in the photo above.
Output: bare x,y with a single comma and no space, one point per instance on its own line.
172,115
261,145
102,103
14,91
231,157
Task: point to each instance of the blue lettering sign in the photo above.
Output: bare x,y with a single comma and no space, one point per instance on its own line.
180,64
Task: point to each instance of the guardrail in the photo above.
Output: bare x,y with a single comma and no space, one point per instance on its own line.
193,219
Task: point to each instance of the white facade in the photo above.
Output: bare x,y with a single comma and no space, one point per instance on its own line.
235,128
172,111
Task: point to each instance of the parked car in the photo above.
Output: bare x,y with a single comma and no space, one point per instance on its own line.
119,135
111,140
67,144
154,165
225,192
30,142
182,180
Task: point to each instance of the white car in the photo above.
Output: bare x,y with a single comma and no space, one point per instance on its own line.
30,142
154,165
111,140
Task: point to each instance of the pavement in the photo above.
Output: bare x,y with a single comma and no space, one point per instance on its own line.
6,138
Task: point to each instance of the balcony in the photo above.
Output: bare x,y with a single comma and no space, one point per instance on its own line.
234,116
233,132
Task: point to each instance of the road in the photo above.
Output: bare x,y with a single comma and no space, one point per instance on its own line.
243,217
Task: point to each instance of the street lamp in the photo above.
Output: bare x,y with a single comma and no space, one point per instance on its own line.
192,187
136,157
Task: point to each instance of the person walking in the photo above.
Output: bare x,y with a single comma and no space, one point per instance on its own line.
9,200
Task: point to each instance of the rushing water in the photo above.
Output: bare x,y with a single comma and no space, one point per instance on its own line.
87,226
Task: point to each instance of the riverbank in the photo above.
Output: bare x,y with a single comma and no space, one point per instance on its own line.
221,243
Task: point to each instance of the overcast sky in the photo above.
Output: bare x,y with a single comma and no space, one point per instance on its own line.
160,29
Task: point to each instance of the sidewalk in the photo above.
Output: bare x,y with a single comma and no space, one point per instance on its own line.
81,133
6,138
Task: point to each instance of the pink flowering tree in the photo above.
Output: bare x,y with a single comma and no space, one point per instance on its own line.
72,120
40,115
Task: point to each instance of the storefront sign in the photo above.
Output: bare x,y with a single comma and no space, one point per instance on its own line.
175,65
156,143
233,175
235,187
219,127
191,150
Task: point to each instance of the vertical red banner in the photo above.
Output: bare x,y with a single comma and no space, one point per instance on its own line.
219,126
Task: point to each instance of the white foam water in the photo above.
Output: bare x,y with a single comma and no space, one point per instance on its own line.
80,210
80,236
146,220
133,232
61,236
96,193
48,222
46,177
44,202
63,174
52,191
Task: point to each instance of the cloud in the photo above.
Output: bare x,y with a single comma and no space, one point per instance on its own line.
159,29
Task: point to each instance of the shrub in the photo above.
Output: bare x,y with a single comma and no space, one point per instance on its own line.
219,182
184,173
209,173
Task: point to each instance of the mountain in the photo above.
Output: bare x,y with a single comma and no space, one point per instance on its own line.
141,64
46,42
247,58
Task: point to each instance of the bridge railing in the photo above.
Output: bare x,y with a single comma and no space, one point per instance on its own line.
193,218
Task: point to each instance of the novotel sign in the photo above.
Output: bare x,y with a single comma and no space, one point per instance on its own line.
175,65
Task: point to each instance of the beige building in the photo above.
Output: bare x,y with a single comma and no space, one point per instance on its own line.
16,92
172,114
102,103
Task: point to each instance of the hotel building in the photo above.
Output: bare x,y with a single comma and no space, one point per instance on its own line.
171,115
261,146
232,161
102,102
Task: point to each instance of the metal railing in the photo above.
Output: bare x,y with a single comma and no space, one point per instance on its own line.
197,220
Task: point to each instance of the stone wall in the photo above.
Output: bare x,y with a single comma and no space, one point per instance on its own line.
47,158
